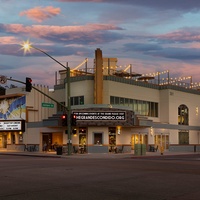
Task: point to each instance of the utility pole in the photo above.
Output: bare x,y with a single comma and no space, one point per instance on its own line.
69,112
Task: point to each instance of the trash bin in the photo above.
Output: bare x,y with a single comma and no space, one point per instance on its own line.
59,150
137,149
143,149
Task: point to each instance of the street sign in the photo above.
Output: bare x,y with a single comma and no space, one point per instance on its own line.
47,105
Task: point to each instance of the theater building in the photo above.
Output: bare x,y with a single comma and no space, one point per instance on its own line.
18,108
114,109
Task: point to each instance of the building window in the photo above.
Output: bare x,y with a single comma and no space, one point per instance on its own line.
121,101
126,102
81,100
112,100
183,115
98,138
13,138
156,110
78,100
183,137
116,101
82,137
112,136
153,109
140,107
135,106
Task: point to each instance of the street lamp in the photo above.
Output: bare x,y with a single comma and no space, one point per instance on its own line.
26,46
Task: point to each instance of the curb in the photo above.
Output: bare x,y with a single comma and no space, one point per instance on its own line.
31,155
123,155
166,156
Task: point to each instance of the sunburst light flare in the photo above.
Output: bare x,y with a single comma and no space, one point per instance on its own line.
26,46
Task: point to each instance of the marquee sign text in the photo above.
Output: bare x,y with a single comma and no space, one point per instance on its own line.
110,116
12,125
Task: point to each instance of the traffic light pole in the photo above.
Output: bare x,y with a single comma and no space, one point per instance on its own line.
68,94
69,112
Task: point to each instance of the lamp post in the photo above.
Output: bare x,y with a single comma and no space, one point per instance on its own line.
27,46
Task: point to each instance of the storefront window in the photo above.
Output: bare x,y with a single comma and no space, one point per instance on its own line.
82,136
112,136
138,139
82,139
13,138
98,138
184,137
162,140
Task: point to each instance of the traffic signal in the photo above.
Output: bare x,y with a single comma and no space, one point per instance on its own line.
64,120
28,84
73,119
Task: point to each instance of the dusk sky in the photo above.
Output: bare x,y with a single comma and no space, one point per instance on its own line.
152,35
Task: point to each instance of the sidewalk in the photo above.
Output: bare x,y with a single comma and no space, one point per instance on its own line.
93,155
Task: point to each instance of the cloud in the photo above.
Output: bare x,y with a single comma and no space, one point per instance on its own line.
193,5
186,54
184,35
40,14
88,34
97,1
156,50
16,50
8,40
182,44
140,47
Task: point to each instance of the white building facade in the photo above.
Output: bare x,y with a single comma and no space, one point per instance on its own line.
113,111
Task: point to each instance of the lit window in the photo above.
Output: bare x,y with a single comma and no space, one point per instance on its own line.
197,111
183,115
98,138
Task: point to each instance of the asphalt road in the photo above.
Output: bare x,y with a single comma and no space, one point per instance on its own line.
152,178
